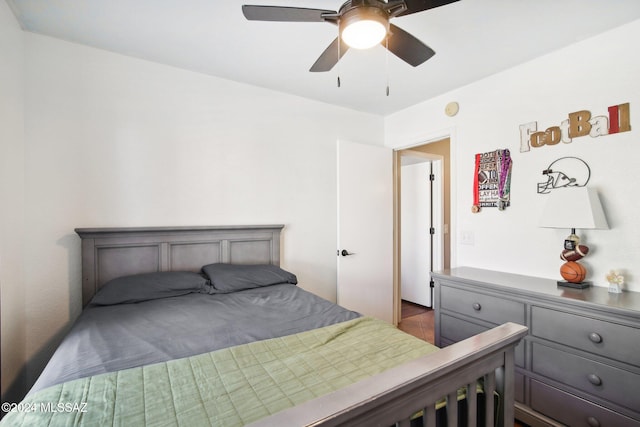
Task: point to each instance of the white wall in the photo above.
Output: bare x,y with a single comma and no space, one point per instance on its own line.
116,141
12,292
590,75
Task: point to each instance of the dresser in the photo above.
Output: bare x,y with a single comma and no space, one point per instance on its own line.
580,363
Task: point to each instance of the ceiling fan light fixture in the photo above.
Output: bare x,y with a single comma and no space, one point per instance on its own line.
364,27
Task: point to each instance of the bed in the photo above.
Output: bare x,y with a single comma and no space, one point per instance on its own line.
228,338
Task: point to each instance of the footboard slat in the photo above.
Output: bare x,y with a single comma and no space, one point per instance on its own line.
489,390
508,393
396,394
472,402
429,419
452,409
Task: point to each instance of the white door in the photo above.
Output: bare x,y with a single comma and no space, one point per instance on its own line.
415,208
421,207
365,229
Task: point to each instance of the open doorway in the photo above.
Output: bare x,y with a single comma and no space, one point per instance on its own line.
422,239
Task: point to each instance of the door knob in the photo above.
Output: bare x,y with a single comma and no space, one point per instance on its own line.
346,253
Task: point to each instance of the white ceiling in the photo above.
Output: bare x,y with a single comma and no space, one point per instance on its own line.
472,39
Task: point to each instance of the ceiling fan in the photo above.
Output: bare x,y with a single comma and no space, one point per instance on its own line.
361,23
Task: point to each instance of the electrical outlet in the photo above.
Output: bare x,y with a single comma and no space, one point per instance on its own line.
467,238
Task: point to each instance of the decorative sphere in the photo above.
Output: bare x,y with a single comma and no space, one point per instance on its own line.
573,272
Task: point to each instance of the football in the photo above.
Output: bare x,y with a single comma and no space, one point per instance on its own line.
575,254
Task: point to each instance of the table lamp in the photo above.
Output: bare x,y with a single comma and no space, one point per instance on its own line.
573,207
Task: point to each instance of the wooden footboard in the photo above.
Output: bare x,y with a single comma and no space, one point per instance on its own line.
394,396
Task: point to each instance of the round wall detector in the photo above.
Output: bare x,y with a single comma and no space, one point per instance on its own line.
451,109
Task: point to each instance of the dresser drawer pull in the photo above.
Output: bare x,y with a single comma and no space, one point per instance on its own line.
596,338
593,422
594,379
477,306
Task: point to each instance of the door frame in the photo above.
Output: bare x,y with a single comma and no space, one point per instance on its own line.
397,296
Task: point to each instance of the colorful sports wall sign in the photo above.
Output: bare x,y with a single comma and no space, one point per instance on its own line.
492,180
579,123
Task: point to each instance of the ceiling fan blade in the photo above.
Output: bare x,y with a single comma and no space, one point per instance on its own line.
329,57
287,14
414,6
407,47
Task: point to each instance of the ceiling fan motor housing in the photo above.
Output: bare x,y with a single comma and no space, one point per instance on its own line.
361,13
369,9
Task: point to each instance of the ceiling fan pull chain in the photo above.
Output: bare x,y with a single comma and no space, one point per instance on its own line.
339,43
386,59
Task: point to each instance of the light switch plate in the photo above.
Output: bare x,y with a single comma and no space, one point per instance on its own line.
467,238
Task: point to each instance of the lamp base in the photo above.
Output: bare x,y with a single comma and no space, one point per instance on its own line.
579,285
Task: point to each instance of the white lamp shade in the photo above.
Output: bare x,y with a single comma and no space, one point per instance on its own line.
573,207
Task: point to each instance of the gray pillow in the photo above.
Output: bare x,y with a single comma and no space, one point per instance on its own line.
227,278
149,286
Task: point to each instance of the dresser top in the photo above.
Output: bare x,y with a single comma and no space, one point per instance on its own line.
540,287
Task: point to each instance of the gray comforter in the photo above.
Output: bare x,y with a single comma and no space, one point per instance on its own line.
112,338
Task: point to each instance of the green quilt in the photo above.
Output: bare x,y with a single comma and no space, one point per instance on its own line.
228,387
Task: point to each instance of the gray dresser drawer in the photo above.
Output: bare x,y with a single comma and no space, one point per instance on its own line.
454,330
484,307
607,382
574,411
593,335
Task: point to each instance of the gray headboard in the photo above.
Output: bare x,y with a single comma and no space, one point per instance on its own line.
108,253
